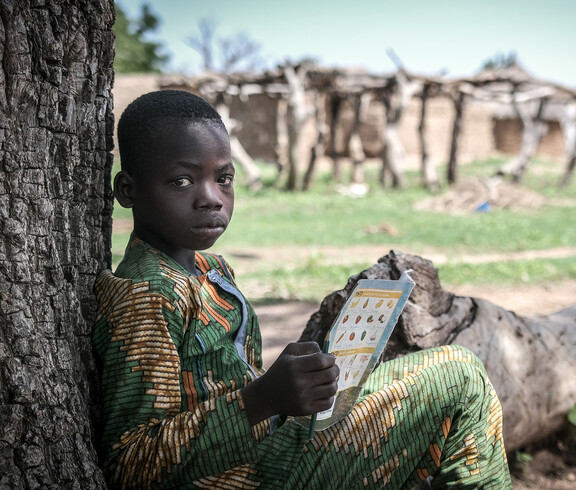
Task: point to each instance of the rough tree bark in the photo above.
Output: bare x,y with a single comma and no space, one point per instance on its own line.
56,128
530,361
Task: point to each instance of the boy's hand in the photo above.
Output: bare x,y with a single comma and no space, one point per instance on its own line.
302,381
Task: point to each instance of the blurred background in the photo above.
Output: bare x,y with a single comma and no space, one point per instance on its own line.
443,129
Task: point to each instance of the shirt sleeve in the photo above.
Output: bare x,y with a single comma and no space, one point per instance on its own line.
147,438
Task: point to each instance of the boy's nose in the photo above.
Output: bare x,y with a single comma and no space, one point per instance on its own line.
208,197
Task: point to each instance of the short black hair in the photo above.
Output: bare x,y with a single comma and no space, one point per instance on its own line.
138,125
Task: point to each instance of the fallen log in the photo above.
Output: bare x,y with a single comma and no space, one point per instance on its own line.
530,360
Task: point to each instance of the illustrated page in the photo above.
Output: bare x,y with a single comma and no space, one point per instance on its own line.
358,338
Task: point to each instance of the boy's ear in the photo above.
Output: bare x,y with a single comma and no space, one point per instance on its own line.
124,189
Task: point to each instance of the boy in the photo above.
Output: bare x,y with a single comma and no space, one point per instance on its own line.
186,402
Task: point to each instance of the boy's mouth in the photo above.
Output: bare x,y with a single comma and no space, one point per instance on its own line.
209,230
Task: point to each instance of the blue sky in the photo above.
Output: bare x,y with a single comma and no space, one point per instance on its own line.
429,36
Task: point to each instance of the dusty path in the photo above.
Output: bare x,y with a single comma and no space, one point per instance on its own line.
291,317
370,253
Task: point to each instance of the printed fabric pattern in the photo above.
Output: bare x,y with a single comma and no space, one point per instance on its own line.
176,351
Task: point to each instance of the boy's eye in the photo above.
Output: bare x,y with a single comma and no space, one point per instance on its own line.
226,180
182,182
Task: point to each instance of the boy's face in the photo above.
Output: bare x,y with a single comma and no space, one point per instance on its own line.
183,199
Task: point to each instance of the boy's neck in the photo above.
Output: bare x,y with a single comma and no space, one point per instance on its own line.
186,258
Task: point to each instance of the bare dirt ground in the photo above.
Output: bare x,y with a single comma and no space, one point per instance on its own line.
549,465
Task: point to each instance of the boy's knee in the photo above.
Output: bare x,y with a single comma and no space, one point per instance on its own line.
464,364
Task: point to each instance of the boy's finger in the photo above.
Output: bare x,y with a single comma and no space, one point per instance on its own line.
317,362
322,377
302,348
325,391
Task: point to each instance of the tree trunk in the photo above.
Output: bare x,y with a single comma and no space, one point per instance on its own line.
298,113
357,156
318,148
534,129
569,171
335,105
393,157
530,361
238,151
393,150
240,155
55,221
568,123
428,171
458,100
355,146
282,148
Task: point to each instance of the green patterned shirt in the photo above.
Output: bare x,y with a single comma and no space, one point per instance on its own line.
176,351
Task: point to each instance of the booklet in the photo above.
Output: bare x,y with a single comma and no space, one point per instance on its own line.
357,339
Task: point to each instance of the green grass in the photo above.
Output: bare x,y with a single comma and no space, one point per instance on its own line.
511,273
322,217
313,280
275,218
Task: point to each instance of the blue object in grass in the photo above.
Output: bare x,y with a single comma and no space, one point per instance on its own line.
483,208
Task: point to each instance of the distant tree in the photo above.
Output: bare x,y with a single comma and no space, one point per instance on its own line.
134,53
239,51
500,60
203,43
224,54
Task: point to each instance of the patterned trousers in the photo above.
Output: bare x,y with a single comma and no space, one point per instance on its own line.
432,413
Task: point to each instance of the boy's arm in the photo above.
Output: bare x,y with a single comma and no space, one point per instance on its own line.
146,437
